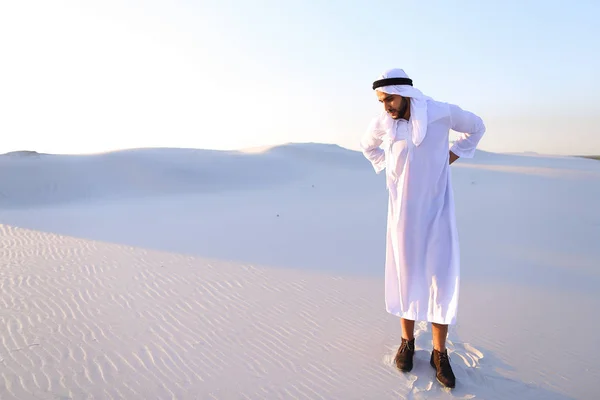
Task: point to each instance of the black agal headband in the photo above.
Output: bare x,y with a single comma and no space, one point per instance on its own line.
392,81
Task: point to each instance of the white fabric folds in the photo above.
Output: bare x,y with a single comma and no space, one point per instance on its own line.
422,269
418,103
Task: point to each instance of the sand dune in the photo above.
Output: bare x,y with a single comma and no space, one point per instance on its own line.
45,179
188,274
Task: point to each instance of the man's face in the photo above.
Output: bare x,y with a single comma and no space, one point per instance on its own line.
392,103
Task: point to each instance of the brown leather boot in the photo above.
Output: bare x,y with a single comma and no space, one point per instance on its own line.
404,356
441,363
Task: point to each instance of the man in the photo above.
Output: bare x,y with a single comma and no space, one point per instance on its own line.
410,140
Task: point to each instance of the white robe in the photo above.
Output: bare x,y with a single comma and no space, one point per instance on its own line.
422,269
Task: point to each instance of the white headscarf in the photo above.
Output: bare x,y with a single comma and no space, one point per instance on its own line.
418,103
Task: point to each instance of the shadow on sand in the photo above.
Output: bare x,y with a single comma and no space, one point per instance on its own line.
476,370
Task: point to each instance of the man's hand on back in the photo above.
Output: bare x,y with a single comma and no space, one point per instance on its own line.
453,157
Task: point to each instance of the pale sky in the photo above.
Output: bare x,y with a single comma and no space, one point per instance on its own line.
92,76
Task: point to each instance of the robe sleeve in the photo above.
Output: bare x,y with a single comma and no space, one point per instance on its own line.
470,126
369,145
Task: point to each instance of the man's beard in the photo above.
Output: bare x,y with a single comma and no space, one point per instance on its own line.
402,110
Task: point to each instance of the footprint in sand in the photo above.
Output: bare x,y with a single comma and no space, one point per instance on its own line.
421,383
475,371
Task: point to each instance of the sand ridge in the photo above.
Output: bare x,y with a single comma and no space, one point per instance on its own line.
277,292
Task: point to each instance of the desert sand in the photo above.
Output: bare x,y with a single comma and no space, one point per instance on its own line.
197,274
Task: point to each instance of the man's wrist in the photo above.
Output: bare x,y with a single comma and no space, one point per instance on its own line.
453,157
